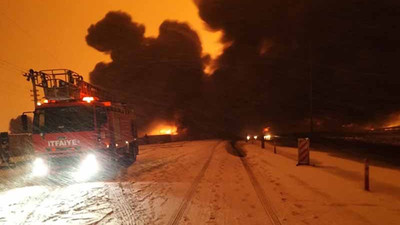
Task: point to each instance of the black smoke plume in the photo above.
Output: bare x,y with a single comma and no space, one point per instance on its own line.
161,77
274,49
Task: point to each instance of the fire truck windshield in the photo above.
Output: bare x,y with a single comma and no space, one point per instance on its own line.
63,119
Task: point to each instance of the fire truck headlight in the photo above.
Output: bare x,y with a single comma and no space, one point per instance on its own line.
88,168
39,169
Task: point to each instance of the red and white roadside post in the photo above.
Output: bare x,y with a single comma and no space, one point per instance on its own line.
303,151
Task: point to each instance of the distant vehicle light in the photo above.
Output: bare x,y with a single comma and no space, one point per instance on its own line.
89,167
267,137
248,137
88,99
255,137
45,101
116,145
39,169
38,104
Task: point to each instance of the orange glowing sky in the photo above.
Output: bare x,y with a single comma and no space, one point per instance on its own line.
42,34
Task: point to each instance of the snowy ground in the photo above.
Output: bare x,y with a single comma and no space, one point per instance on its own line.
207,182
330,192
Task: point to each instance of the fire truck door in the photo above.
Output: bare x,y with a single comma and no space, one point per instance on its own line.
117,129
101,122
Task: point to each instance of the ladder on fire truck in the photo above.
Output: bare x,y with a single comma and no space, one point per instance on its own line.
64,85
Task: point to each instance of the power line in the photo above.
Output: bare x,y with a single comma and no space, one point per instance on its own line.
19,68
10,68
26,32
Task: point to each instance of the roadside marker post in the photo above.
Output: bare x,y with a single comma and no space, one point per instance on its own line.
366,177
303,151
262,143
274,147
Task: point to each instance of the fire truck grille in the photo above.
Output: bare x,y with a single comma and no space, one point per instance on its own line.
65,162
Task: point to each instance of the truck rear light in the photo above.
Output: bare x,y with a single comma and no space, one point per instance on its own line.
107,103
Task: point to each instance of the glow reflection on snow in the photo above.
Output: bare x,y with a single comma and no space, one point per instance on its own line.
18,194
24,198
77,204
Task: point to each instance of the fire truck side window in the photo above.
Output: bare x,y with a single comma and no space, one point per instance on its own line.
41,120
38,121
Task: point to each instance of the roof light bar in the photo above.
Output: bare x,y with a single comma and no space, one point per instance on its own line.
88,99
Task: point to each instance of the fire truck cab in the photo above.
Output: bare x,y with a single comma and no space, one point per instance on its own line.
79,127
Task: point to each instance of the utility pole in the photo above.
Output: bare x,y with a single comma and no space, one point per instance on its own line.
31,77
308,54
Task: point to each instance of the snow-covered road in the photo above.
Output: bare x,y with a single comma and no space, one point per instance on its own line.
211,182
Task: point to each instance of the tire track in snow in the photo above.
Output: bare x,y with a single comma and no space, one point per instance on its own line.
177,215
122,207
257,188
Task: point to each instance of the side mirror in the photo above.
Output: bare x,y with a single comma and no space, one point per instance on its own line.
24,121
4,138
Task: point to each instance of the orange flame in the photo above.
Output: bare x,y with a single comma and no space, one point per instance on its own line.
393,120
171,131
164,129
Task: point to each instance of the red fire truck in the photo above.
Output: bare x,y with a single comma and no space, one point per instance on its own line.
78,126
